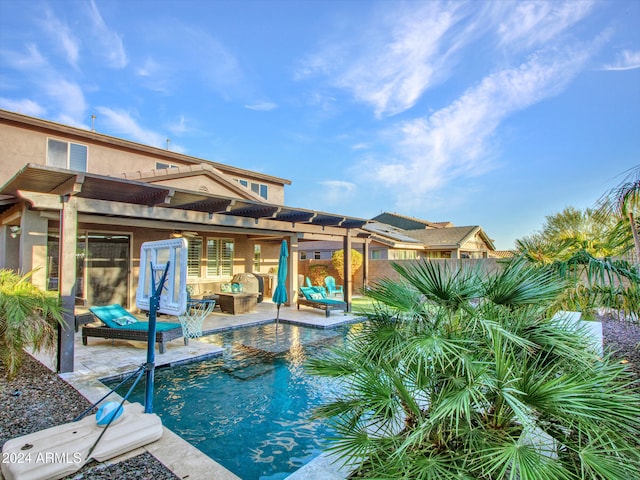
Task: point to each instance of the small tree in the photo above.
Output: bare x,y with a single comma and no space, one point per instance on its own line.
28,316
317,273
337,259
624,201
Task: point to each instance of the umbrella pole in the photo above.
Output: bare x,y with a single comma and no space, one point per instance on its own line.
277,316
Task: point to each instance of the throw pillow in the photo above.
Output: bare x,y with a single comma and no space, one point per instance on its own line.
122,321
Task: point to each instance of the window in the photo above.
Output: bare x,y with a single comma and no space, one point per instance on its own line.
438,254
194,253
257,254
403,254
257,188
219,257
66,155
260,189
164,166
316,255
376,254
303,255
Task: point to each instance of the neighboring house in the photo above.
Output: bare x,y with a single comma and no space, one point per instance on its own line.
76,205
398,237
454,242
408,223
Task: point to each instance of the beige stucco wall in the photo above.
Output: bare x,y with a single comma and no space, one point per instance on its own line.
19,147
27,144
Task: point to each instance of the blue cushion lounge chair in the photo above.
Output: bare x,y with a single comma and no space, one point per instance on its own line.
120,324
316,298
333,289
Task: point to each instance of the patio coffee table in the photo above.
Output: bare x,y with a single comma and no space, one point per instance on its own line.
237,302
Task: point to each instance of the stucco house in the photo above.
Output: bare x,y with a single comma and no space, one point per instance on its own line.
76,205
398,237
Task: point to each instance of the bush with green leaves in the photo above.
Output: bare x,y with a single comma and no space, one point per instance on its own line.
337,260
28,317
463,375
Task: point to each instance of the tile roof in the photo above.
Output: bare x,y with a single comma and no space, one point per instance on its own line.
450,236
408,223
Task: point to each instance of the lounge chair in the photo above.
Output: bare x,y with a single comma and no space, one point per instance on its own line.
333,289
121,325
316,298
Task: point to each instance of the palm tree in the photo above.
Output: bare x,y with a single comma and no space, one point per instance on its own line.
579,246
624,201
462,375
28,317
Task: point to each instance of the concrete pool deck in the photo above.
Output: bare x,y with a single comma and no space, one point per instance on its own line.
104,358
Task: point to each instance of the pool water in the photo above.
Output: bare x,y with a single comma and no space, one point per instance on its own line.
250,408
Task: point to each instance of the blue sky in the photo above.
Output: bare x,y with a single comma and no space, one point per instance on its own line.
479,113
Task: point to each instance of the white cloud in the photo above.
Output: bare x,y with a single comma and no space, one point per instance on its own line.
401,53
455,142
67,95
148,68
121,122
396,57
262,106
52,88
180,126
24,106
535,23
626,60
32,59
336,192
154,75
186,58
110,44
62,37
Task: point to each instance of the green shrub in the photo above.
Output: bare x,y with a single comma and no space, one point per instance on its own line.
28,317
463,375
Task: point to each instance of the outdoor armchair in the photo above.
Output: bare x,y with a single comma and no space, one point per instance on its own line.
333,289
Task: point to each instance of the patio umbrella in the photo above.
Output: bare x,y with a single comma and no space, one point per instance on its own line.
280,293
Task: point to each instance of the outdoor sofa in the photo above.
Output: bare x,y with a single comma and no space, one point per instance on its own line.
121,325
315,297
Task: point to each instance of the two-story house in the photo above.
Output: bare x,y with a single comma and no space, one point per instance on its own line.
76,205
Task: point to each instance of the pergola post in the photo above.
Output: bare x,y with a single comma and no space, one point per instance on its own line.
348,282
293,286
365,265
67,281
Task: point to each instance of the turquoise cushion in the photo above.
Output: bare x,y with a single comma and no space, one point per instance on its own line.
307,292
113,315
321,291
329,301
144,326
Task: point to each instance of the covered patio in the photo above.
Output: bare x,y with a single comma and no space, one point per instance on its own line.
55,207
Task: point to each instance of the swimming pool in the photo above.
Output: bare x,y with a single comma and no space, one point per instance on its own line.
250,408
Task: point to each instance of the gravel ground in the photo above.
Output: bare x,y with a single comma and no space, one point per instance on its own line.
39,399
